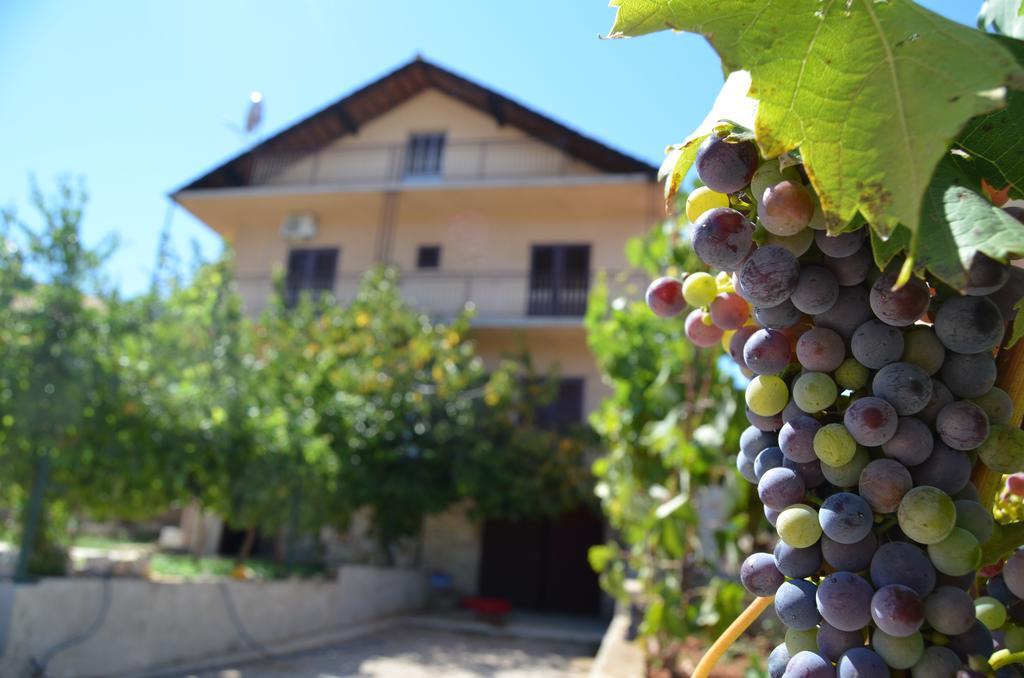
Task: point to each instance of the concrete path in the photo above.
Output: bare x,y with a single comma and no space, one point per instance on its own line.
418,652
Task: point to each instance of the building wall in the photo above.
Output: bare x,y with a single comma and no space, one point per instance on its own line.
450,543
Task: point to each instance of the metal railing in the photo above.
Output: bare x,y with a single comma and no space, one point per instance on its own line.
494,295
460,160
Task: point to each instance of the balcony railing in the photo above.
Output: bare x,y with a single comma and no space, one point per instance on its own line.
495,296
470,160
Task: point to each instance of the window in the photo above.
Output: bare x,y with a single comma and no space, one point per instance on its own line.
310,270
428,257
424,155
559,280
565,410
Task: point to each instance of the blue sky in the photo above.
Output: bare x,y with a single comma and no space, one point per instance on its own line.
133,95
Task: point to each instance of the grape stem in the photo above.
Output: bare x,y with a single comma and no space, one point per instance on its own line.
725,641
1005,658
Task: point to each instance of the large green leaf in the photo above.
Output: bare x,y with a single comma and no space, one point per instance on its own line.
871,92
1005,16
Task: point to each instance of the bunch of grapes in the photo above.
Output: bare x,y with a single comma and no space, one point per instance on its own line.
869,403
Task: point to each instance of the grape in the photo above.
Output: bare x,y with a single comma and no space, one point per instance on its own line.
778,317
771,422
990,612
1003,451
1014,639
975,518
849,312
759,574
818,222
946,469
962,425
738,341
850,374
796,438
941,397
723,238
795,604
700,332
833,642
969,325
834,445
769,458
798,243
729,311
797,562
912,442
801,641
922,348
810,471
977,640
665,298
1007,296
970,493
820,350
767,352
769,275
780,487
851,270
897,610
845,517
949,610
1013,573
767,395
926,515
745,465
964,582
816,290
769,174
809,665
875,344
814,391
771,515
844,601
699,288
798,526
842,245
854,557
906,387
996,403
790,412
785,208
847,475
702,199
777,661
898,653
883,483
871,421
985,275
726,165
753,441
935,662
901,307
969,375
902,563
860,662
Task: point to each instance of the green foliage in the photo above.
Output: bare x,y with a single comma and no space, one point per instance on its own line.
666,482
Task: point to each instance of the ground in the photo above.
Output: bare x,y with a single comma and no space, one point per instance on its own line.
416,652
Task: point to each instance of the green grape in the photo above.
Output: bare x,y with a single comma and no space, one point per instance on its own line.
1009,508
1003,451
926,514
1014,639
798,641
990,612
700,289
852,375
834,445
814,391
769,174
703,199
767,395
798,526
898,653
847,475
957,554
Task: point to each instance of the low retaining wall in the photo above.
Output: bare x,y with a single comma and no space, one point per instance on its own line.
151,625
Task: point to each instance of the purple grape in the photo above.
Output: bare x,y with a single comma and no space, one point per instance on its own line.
985,275
871,421
969,375
949,610
729,311
810,471
969,325
726,165
912,442
797,562
665,297
861,662
875,344
901,307
941,396
969,493
780,487
767,352
753,440
854,557
935,662
769,458
849,312
905,386
897,610
842,245
844,601
772,423
820,350
808,664
769,275
962,425
738,341
900,562
759,574
771,515
816,290
778,317
846,517
745,466
777,661
723,238
883,482
790,412
1013,573
949,470
1007,296
795,604
851,270
832,642
976,641
796,438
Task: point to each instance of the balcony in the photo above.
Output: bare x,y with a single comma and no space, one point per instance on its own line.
498,298
461,161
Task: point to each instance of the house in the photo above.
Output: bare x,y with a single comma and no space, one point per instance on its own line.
475,198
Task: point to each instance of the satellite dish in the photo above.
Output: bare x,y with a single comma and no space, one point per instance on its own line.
255,115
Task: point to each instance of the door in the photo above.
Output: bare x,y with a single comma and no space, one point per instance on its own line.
310,270
559,280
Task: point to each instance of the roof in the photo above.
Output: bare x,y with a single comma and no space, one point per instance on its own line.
345,116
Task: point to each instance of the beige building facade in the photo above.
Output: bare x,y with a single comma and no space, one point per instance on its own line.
473,197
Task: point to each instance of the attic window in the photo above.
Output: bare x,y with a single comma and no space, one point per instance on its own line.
424,154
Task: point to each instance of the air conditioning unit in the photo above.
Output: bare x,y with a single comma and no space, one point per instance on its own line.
299,226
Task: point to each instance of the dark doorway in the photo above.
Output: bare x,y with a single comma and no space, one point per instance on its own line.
542,564
559,280
310,270
231,543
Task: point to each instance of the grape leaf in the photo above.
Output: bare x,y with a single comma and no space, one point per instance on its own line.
1004,16
1017,330
872,92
